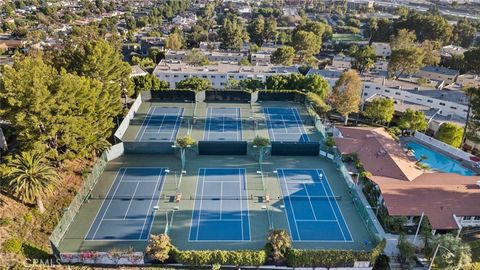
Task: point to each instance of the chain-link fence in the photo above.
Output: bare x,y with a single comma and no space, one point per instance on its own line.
72,210
361,207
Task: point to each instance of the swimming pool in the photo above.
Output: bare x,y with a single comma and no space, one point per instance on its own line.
438,161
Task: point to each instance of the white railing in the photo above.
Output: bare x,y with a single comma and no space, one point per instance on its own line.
126,121
442,146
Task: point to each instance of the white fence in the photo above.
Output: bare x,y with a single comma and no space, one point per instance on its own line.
126,121
442,146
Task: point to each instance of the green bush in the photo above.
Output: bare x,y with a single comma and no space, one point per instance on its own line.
210,257
12,245
332,258
261,141
318,103
6,221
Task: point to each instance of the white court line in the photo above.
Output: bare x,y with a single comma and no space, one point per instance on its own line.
315,220
93,221
284,124
160,180
161,122
131,200
291,205
338,206
296,113
331,206
241,203
208,124
310,201
200,210
109,203
151,114
143,124
269,123
123,219
221,201
175,127
223,219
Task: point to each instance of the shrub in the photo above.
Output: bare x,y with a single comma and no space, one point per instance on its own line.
318,103
382,262
12,245
210,257
261,141
6,221
185,141
332,258
159,247
279,243
395,224
330,142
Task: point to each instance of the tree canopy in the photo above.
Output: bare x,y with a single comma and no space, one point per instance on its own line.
345,96
450,133
38,100
283,56
413,120
194,83
380,110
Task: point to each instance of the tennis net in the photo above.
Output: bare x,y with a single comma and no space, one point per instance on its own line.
313,198
169,197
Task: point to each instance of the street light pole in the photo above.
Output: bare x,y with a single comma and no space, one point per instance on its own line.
435,254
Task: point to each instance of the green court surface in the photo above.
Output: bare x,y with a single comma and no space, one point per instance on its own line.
259,185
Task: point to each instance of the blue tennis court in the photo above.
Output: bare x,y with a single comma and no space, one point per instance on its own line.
160,124
312,210
223,124
285,124
127,212
221,208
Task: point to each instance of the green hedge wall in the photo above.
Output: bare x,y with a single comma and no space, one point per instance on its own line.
224,257
332,258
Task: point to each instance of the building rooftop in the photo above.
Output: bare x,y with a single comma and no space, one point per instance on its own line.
406,189
440,70
177,66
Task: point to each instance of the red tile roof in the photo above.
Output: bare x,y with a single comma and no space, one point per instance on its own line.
407,190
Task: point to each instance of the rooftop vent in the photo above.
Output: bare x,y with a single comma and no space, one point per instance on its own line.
478,184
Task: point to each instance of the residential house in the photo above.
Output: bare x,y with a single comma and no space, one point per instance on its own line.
449,200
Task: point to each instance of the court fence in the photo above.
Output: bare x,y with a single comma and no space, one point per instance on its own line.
222,147
122,128
360,205
71,211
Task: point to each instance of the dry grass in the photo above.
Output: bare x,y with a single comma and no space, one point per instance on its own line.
32,227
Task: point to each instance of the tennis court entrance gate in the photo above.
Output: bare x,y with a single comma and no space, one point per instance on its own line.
222,147
295,148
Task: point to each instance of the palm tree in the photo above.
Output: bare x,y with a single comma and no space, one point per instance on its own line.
31,177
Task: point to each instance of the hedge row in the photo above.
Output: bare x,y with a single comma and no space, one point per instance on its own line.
332,258
224,257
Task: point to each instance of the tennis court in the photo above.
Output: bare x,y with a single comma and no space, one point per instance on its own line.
160,124
285,124
127,212
223,124
312,210
221,208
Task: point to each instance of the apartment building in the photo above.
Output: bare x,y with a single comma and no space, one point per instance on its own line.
260,58
446,75
219,75
468,80
342,62
382,49
213,56
438,105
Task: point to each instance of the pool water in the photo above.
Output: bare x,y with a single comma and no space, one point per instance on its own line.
438,161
